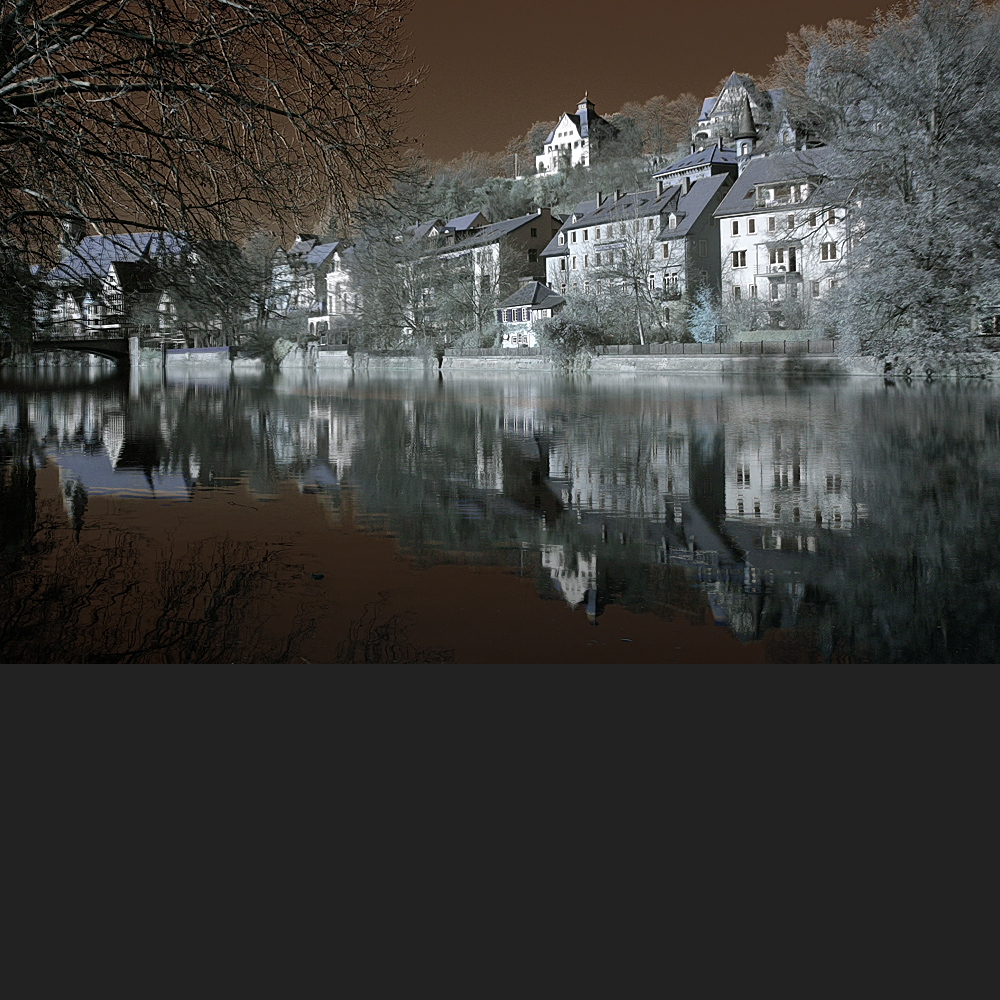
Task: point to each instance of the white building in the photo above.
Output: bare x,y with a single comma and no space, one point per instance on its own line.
575,141
783,229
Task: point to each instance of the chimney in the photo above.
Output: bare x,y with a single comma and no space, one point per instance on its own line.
693,150
687,184
659,188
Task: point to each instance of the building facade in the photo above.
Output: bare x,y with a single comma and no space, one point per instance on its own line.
575,141
783,232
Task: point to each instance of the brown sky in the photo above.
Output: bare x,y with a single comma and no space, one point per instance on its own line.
493,69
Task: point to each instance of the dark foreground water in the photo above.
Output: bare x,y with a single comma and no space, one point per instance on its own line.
482,519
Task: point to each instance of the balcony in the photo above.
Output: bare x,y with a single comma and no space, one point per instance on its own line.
779,272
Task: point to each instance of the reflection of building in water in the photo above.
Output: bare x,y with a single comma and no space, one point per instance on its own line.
573,576
594,473
791,480
336,435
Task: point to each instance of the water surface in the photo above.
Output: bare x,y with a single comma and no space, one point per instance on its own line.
481,519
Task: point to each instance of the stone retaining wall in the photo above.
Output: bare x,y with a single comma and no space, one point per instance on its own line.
498,364
728,364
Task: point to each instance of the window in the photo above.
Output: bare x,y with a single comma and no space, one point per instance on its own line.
586,288
518,316
828,251
815,289
597,233
652,252
532,256
736,292
534,232
574,264
586,259
833,284
666,251
649,224
812,218
499,315
652,282
831,217
770,223
573,237
751,226
774,290
739,258
597,260
586,235
777,256
598,288
736,227
752,289
702,248
562,263
790,222
611,256
510,316
793,290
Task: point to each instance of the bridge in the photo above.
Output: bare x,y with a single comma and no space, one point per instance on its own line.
114,348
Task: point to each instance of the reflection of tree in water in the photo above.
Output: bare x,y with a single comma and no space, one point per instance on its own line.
380,637
921,579
208,604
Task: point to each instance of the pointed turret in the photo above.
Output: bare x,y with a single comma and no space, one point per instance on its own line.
746,136
746,129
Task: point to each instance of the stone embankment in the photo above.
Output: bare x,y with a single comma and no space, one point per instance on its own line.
763,358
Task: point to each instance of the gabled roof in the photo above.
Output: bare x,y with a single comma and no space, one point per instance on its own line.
93,255
553,247
691,206
497,230
321,253
422,229
465,222
790,166
134,275
533,293
710,154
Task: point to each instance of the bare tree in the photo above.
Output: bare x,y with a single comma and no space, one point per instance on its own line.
908,117
207,118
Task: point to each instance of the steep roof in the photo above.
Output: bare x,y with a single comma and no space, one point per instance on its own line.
710,154
790,166
319,254
533,293
466,222
496,230
93,255
554,247
691,206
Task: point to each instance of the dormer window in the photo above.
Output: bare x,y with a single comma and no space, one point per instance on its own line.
672,223
562,239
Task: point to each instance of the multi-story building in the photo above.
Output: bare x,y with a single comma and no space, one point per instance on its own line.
576,140
783,231
665,237
105,283
721,115
300,274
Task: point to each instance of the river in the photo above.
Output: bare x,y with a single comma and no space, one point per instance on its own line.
522,518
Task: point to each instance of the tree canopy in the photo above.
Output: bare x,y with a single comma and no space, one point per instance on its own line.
208,117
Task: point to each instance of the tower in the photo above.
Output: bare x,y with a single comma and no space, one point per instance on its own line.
746,135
